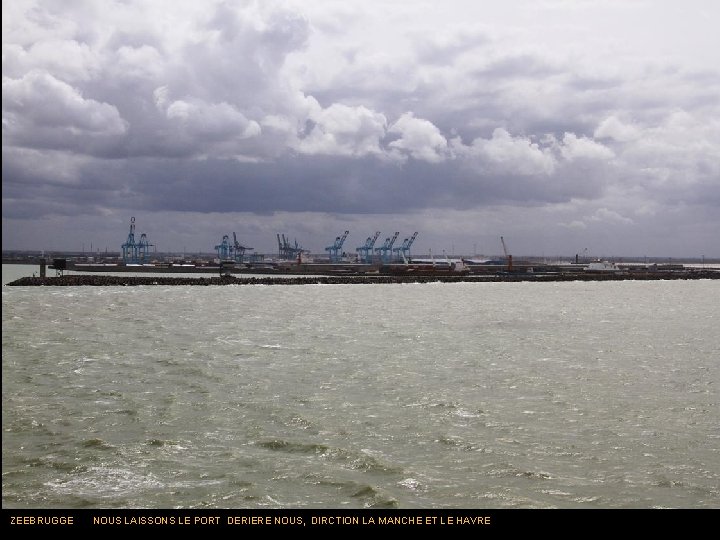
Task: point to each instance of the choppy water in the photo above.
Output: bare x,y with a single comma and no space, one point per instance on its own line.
496,395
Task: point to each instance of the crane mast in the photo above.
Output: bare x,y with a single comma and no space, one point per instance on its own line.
508,257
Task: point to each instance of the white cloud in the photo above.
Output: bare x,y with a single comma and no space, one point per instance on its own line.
513,155
419,139
214,121
574,147
144,62
343,130
75,61
673,156
40,106
613,128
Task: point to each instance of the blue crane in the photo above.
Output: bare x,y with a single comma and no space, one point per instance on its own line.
130,248
385,250
404,250
132,251
223,249
335,250
365,252
143,248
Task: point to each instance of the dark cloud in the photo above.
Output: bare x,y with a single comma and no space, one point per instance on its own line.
270,110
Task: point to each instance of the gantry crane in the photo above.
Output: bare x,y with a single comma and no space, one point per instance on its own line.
129,248
224,249
335,251
143,248
239,250
404,250
288,252
365,252
132,251
385,250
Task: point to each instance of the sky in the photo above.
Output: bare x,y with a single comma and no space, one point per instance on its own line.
566,127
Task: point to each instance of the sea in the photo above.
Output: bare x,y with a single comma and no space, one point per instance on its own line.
568,395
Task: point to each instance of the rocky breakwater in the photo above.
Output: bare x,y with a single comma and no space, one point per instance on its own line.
99,280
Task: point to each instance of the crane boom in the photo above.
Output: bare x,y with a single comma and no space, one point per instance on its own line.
507,255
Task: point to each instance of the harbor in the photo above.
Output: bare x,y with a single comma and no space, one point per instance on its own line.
389,262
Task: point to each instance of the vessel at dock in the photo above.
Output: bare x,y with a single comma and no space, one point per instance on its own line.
149,267
602,266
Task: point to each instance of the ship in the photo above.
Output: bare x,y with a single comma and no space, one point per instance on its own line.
602,266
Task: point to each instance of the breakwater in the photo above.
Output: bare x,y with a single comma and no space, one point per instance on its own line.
122,281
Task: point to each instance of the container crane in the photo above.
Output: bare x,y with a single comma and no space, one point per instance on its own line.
385,250
143,247
287,251
224,249
239,250
130,248
132,251
365,252
335,250
508,257
404,250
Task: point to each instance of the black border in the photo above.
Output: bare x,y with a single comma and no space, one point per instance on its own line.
482,521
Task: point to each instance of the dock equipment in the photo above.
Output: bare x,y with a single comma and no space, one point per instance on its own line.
335,251
385,251
224,249
144,248
135,252
365,252
403,252
287,251
240,250
508,257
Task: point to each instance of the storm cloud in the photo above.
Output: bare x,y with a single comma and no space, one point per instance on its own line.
560,125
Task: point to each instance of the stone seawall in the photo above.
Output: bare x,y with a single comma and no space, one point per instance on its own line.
121,281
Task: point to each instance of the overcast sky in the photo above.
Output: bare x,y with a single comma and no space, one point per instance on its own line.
565,126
